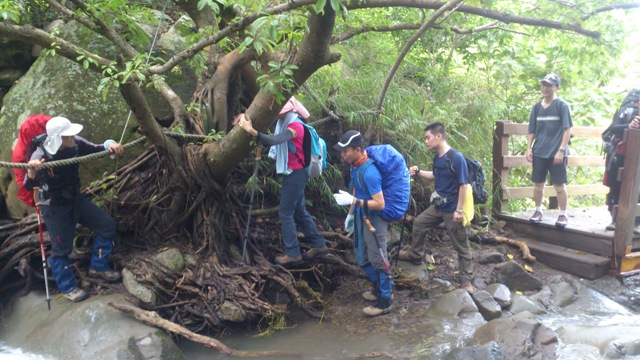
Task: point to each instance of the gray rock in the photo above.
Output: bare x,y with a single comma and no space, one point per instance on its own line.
190,260
487,306
489,351
519,337
629,347
146,295
453,303
231,312
521,303
563,294
173,41
419,271
500,293
87,330
516,278
171,259
491,258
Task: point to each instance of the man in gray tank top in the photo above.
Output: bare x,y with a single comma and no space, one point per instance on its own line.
547,146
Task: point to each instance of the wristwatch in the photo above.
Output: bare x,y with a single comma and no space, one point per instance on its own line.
460,211
561,149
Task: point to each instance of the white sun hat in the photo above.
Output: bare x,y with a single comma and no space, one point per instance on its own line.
56,129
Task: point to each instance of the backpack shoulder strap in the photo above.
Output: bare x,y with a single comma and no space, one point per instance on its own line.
449,162
361,171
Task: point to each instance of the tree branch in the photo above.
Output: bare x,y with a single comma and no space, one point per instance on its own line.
106,31
30,35
490,14
405,50
609,8
232,28
399,27
313,53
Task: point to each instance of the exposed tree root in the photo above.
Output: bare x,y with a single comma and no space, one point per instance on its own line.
153,319
526,253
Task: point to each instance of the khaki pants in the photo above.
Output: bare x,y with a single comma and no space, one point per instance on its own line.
430,219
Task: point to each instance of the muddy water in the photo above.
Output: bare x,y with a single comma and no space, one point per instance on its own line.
584,328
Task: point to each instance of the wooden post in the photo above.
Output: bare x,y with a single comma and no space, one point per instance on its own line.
500,173
627,206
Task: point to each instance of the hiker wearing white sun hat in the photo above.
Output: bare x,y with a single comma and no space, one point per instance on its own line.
56,129
63,205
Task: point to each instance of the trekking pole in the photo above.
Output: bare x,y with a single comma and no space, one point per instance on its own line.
44,258
253,190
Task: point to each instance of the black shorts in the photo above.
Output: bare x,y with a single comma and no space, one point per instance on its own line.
542,166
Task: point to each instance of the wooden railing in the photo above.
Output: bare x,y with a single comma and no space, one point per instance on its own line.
626,252
503,162
625,257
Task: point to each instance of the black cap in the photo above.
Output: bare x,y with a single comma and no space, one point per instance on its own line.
351,138
551,79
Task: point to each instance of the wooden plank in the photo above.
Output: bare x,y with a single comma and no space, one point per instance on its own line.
629,191
527,191
577,131
570,237
514,161
588,266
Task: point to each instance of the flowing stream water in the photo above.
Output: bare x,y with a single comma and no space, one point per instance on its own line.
420,337
584,328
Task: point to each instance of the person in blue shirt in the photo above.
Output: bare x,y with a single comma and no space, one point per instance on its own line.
447,202
364,219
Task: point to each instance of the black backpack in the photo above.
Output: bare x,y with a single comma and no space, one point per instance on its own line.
476,176
628,109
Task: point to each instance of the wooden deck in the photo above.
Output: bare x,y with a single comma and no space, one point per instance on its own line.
583,248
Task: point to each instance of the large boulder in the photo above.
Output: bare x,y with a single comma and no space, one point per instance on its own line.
59,87
87,330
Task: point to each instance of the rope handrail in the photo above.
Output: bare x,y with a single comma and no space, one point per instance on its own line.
98,155
76,160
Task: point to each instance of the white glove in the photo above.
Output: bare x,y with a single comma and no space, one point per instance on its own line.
348,223
343,198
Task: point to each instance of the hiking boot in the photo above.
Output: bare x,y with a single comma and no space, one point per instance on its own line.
536,218
405,255
611,227
561,222
109,275
372,295
285,260
76,295
314,253
466,285
382,306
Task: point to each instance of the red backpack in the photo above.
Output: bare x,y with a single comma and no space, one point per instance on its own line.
33,126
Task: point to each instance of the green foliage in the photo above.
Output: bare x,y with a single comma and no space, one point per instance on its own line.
278,79
10,10
214,136
213,4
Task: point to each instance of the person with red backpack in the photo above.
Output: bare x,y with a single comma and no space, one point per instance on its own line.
292,211
32,126
63,205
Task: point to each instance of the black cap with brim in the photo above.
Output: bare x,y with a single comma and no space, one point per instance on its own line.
351,138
